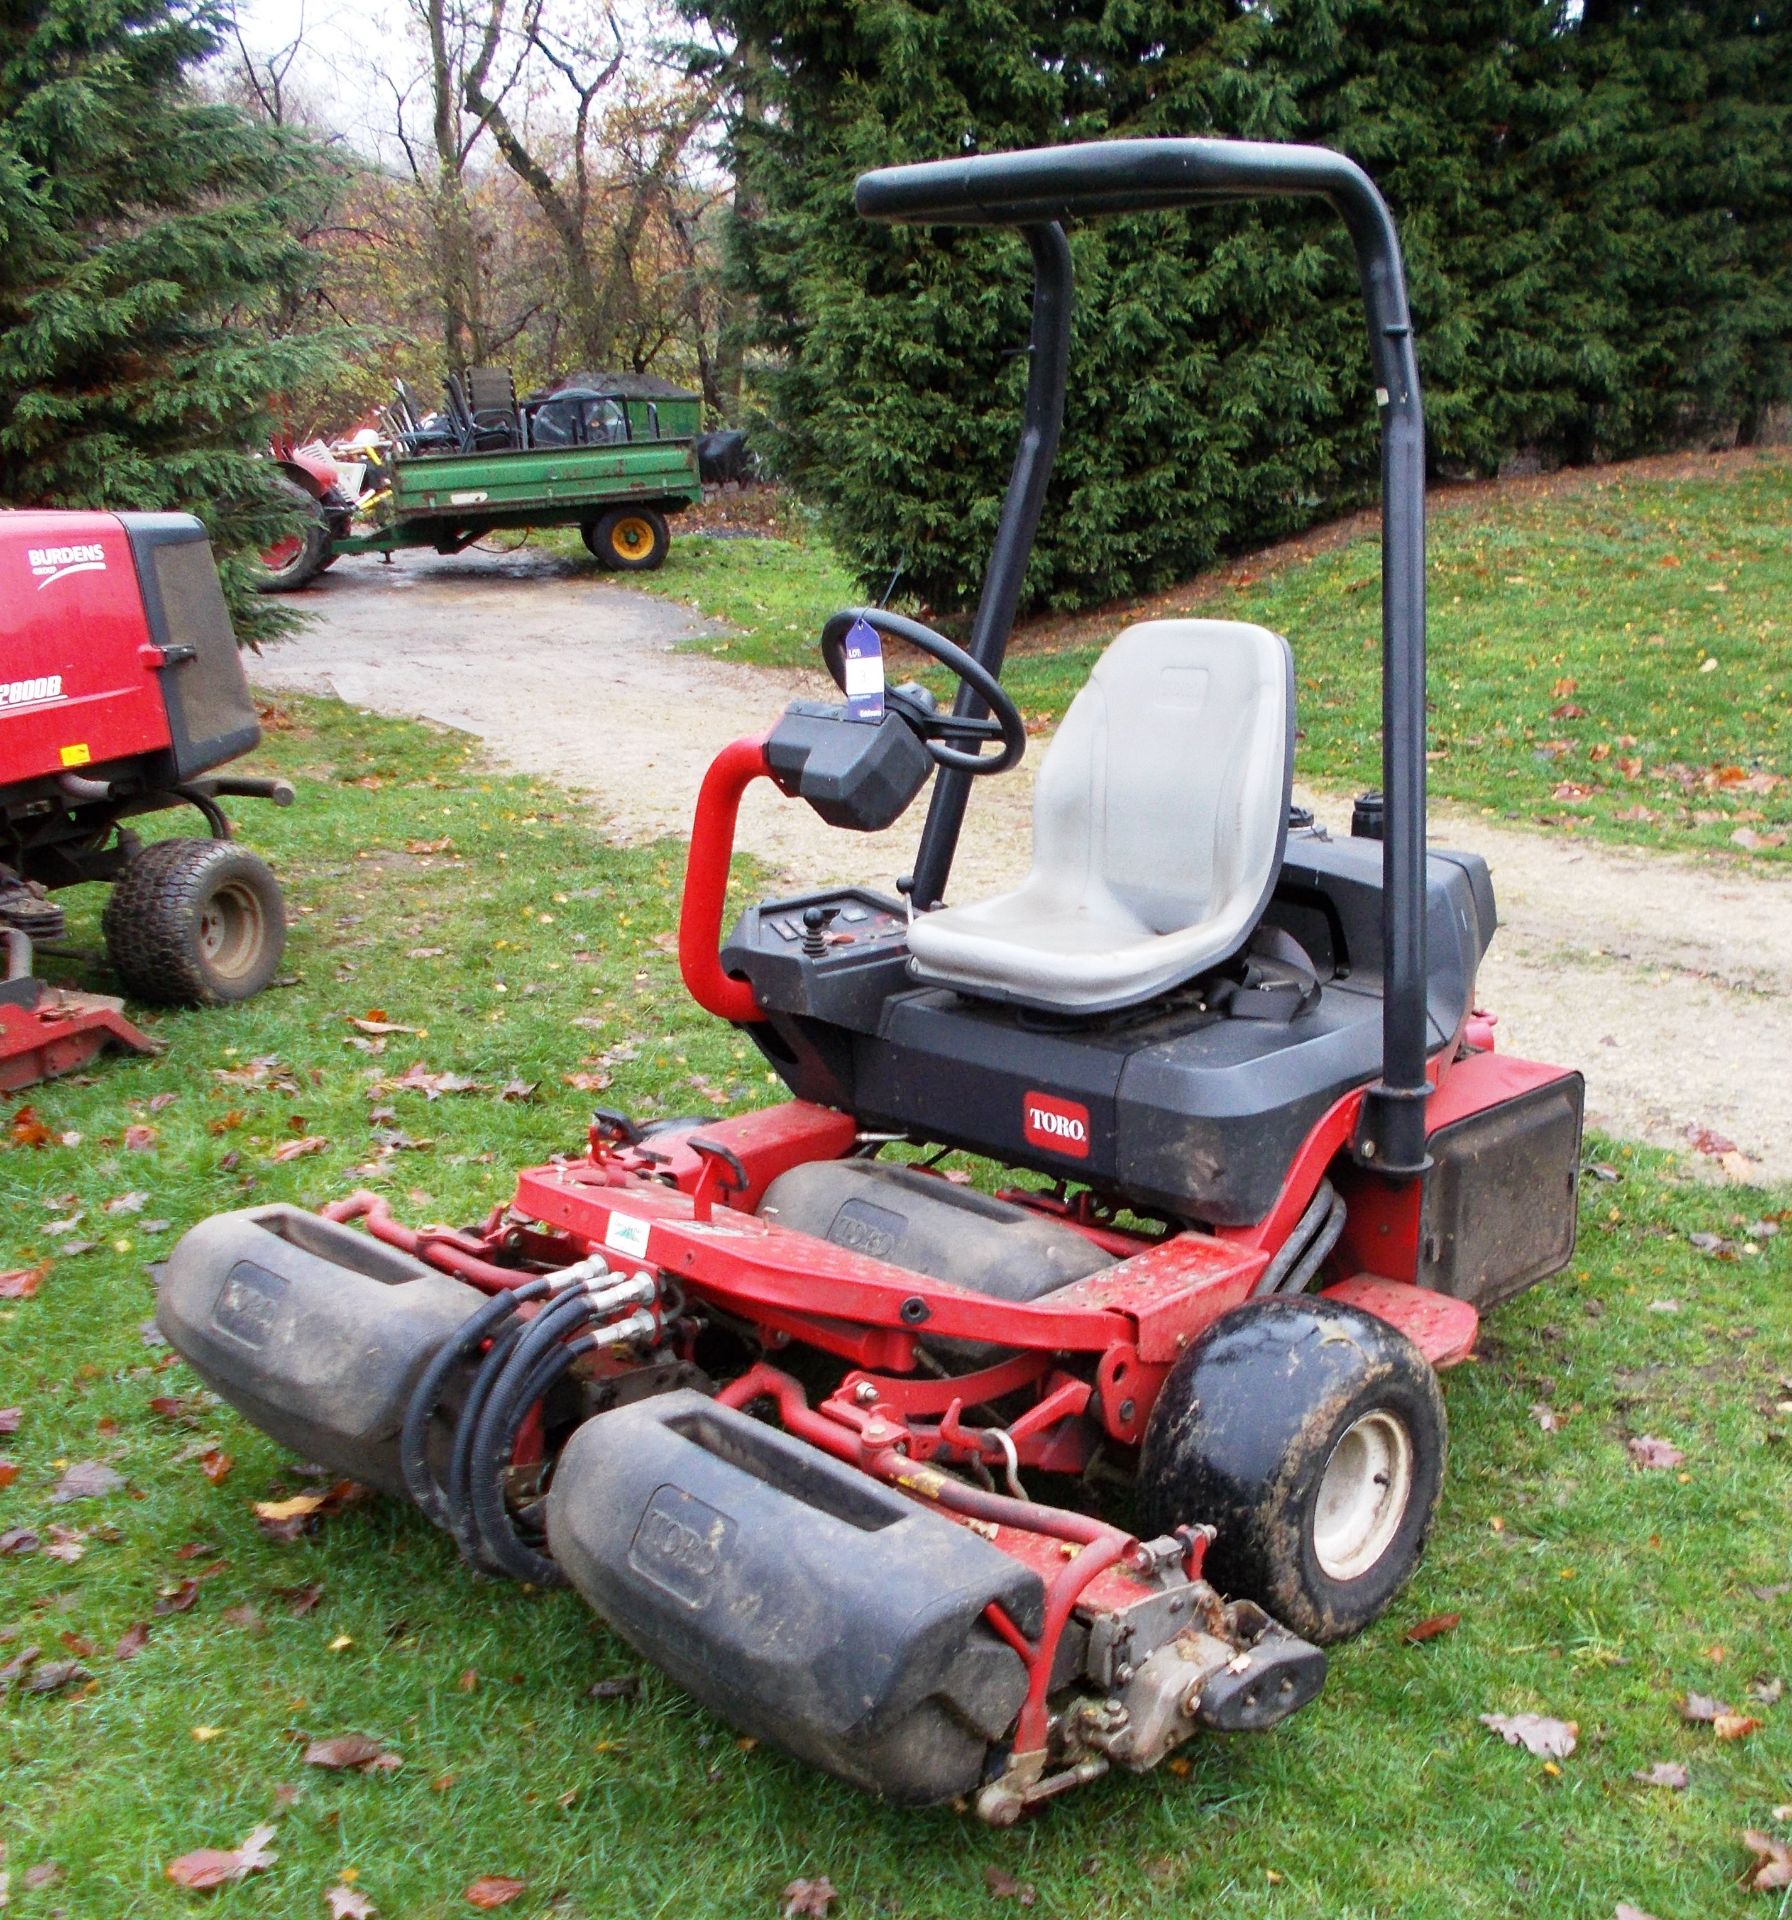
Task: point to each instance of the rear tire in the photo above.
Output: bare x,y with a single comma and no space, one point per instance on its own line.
195,923
299,559
1312,1436
628,539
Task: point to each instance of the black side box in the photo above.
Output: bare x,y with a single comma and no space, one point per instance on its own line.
1501,1200
315,1332
793,1595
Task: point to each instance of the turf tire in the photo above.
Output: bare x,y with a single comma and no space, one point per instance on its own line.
1282,1402
195,923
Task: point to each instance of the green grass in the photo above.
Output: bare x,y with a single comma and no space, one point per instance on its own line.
1569,632
772,591
1587,1589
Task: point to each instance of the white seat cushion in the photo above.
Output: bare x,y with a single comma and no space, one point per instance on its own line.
1159,822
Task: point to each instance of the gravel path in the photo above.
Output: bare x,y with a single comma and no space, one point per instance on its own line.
1667,981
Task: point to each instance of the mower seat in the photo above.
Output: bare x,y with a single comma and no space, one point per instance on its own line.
1159,822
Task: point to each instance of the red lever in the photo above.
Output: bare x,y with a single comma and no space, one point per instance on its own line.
730,774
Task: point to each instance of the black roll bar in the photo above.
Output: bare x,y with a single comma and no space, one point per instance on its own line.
1037,190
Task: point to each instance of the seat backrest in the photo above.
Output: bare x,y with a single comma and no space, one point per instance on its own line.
1166,787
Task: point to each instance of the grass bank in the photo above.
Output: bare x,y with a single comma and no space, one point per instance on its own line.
482,932
1610,654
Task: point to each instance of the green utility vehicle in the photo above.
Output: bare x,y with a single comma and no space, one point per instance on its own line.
613,458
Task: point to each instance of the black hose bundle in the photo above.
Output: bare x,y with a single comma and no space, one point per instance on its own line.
520,1363
1297,1261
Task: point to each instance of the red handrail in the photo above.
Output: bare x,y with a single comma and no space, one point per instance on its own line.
732,771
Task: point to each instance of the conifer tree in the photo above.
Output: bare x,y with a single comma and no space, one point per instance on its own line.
145,243
1595,204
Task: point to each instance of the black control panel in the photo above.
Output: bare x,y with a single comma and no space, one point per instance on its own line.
824,926
836,954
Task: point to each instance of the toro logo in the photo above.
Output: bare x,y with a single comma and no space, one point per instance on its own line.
1060,1126
51,564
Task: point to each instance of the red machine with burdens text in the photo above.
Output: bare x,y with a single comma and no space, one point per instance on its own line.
121,692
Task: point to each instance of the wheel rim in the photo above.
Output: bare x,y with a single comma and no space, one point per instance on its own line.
1363,1495
231,930
633,538
282,553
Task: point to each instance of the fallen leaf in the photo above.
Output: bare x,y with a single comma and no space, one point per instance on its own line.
215,1866
1625,1911
131,1642
349,1903
178,1598
128,1203
1538,1734
1005,1886
1664,1773
246,1616
28,1130
1568,711
518,1090
19,1540
9,1419
215,1464
9,1472
86,1480
586,1082
1772,1867
625,1687
45,1874
373,1025
351,1750
21,1283
65,1544
53,1676
1701,1709
139,1138
300,1506
1766,1691
300,1600
493,1890
1708,1140
297,1149
1429,1629
808,1899
1648,1452
17,1665
1546,1417
1735,1726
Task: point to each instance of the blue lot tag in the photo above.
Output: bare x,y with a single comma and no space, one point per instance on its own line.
864,672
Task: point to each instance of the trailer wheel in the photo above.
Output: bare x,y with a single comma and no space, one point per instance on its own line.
298,559
1312,1437
630,539
195,923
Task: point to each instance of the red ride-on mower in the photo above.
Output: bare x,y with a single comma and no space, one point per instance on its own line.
120,692
783,1409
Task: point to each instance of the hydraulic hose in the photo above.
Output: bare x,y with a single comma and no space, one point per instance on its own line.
555,1319
1288,1254
413,1440
1310,1262
538,1358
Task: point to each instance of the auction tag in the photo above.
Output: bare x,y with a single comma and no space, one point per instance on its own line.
864,672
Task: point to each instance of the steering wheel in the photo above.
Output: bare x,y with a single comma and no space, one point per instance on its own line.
937,730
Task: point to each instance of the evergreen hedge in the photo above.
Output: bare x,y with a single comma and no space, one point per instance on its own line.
1596,205
146,253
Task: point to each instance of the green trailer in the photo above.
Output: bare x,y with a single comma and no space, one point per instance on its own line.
630,462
